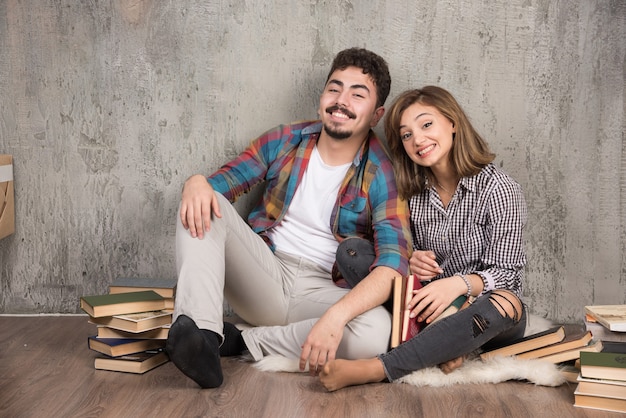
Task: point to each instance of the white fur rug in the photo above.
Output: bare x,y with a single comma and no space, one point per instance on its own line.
494,370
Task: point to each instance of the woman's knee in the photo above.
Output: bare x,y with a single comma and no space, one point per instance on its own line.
354,258
507,303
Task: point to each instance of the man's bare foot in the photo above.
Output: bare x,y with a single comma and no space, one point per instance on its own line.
338,374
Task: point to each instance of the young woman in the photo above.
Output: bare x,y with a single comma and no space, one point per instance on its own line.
467,218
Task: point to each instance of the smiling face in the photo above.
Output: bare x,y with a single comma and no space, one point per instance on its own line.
426,136
348,104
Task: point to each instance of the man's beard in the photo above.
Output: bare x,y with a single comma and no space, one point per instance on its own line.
337,134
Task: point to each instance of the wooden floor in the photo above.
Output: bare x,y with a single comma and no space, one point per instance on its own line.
46,370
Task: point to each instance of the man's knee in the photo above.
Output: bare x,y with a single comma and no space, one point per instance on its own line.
367,335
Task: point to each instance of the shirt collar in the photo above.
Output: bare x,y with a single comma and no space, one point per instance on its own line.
469,183
316,128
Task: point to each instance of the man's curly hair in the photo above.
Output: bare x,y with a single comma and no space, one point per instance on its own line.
371,64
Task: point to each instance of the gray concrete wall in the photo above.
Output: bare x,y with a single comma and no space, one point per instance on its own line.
108,106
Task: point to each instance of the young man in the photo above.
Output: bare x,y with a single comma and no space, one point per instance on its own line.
324,181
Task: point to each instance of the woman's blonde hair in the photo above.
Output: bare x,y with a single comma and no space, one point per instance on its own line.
469,153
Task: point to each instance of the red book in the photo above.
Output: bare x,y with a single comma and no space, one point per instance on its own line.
403,326
410,326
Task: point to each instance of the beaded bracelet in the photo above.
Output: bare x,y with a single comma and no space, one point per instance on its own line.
468,284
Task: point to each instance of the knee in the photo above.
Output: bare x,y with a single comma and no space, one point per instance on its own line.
367,335
507,303
354,248
354,258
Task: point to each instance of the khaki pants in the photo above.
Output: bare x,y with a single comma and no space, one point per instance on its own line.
282,296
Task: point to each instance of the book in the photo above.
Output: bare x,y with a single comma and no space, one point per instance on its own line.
603,365
530,342
456,305
121,303
613,317
600,332
136,322
410,326
603,403
579,378
397,295
608,390
153,334
573,354
134,363
403,327
164,287
571,341
570,372
614,347
115,347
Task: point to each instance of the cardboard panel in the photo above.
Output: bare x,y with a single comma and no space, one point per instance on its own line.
7,202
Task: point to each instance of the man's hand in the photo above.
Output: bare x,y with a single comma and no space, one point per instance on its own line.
323,340
321,345
423,264
198,202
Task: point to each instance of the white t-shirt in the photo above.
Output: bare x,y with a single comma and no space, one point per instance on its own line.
305,229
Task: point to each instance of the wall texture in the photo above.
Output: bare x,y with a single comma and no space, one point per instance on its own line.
108,106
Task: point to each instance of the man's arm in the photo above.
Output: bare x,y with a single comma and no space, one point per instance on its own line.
323,340
198,201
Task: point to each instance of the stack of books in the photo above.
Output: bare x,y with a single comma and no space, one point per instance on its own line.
606,322
602,376
132,321
560,344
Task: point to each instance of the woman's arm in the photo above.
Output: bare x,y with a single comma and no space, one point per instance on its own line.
504,255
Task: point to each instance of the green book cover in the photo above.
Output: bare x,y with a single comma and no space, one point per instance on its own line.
602,359
117,298
459,301
122,303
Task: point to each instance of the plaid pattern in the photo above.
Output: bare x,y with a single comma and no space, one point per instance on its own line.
480,232
368,205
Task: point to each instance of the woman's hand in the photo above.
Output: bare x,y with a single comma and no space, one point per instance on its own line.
424,265
431,300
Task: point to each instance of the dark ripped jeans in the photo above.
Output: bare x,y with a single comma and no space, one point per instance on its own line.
478,325
354,259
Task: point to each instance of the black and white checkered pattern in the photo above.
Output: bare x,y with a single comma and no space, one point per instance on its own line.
479,232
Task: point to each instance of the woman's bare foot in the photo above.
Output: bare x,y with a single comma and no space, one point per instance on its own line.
338,374
451,365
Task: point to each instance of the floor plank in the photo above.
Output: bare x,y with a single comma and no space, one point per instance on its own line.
46,370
